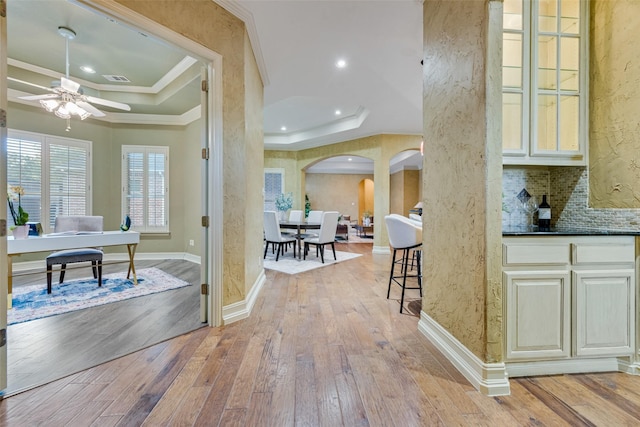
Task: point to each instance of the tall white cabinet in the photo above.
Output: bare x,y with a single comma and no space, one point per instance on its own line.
569,303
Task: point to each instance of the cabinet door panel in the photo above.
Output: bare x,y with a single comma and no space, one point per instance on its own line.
604,305
538,314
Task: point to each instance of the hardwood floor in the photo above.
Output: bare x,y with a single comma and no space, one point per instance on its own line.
322,348
47,349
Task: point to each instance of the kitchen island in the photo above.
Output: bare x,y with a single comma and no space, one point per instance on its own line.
569,300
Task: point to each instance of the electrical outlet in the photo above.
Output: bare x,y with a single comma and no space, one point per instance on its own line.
191,242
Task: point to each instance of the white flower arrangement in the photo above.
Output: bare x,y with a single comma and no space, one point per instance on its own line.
284,202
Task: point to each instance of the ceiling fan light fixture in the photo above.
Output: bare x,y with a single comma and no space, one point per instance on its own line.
62,111
50,104
68,98
74,109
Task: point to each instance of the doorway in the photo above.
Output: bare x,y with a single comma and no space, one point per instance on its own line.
209,270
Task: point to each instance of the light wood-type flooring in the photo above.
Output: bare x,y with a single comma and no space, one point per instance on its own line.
322,348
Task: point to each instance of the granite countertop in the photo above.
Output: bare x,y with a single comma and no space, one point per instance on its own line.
523,231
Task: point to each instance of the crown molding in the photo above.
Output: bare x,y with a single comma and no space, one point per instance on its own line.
236,9
124,118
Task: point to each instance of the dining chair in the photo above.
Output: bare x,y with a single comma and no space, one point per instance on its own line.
296,216
93,255
326,236
273,236
404,236
314,217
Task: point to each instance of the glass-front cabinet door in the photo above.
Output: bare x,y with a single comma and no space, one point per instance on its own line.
544,82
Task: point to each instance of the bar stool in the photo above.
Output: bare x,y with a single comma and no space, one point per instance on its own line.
406,237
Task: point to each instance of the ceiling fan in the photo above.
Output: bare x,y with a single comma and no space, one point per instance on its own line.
67,98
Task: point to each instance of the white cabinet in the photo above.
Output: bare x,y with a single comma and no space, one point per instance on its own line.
538,314
544,82
568,297
603,312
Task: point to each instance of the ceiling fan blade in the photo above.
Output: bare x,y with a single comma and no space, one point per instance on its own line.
69,85
90,109
39,97
107,103
30,84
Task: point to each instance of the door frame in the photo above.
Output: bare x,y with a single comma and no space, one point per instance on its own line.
211,263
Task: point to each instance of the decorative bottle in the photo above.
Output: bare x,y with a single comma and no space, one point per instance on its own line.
544,215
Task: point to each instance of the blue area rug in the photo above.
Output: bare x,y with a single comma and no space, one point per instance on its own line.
32,302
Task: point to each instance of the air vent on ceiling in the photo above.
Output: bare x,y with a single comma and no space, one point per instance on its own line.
117,79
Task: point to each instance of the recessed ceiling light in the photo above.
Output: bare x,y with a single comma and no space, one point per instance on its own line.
341,63
283,128
338,112
88,69
349,159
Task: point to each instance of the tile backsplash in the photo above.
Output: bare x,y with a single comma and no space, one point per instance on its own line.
514,180
567,190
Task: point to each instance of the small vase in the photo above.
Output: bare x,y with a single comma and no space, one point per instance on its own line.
283,215
21,232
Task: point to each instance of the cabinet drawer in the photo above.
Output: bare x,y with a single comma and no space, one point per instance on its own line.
543,253
602,253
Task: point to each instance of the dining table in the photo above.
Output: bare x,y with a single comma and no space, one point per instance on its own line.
299,226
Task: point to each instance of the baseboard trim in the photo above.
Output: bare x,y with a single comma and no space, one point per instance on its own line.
488,378
565,366
123,256
242,309
628,366
381,250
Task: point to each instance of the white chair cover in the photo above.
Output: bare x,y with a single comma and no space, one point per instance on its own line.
272,233
402,231
296,216
327,233
272,227
315,216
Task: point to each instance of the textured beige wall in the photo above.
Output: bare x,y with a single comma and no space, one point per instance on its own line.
396,193
379,148
411,190
463,166
213,27
339,192
254,153
614,134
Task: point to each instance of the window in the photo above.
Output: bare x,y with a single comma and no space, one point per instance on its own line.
55,173
273,187
145,187
544,77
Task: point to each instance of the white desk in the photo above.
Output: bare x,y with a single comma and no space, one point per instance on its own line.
48,243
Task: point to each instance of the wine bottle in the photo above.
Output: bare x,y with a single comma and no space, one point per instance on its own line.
544,215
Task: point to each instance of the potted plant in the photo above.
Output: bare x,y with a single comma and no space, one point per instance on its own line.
20,228
284,202
366,218
307,205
